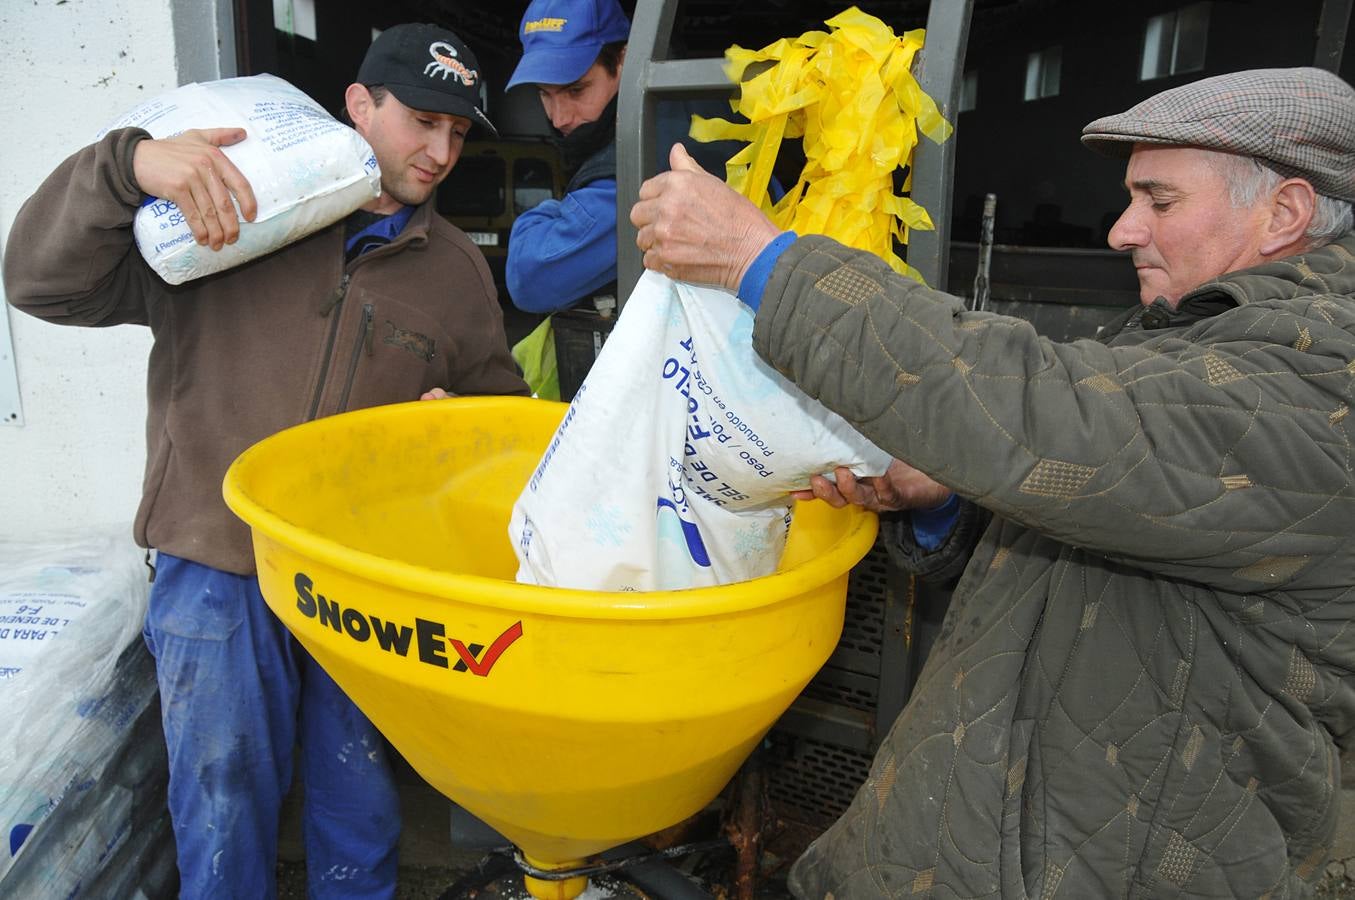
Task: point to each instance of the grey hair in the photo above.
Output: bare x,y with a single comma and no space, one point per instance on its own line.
1249,179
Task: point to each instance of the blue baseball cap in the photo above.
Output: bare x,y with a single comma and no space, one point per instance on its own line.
561,39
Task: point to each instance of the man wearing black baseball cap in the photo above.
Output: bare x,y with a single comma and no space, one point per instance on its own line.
1143,681
436,86
393,304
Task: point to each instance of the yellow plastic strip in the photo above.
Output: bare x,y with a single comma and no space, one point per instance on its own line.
850,96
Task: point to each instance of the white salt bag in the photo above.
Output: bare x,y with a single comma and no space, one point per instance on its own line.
307,169
70,603
672,466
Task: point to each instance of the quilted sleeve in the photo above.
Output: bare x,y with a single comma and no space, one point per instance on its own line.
1219,453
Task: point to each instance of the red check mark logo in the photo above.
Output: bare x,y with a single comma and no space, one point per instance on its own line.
501,643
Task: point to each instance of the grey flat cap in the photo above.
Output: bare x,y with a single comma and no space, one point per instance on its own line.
1301,122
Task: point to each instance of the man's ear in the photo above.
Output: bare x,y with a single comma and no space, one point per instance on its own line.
1291,211
358,101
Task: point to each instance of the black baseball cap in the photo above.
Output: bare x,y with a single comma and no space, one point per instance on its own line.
428,68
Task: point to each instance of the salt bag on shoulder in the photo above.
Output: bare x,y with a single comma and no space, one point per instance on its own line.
307,169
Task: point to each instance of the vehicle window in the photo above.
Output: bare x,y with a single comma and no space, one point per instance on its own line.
532,183
474,188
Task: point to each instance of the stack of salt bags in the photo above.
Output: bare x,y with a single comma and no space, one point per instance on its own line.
77,686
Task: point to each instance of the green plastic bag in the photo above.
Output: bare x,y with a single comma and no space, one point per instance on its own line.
535,354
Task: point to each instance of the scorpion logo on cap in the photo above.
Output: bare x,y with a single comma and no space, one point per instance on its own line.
445,63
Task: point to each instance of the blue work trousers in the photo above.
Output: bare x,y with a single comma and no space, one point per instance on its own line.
237,693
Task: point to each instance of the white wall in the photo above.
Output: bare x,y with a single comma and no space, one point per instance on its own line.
67,69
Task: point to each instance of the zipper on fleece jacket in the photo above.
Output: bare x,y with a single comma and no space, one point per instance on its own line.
364,341
332,306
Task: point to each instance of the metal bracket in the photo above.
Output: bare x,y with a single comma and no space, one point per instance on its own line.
11,411
940,71
648,75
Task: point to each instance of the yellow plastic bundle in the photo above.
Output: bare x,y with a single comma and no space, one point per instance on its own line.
849,93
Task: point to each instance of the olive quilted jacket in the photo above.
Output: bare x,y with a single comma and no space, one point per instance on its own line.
1149,662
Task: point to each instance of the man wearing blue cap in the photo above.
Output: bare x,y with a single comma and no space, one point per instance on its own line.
563,251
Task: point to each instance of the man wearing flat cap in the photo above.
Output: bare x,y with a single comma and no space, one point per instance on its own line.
1144,673
390,305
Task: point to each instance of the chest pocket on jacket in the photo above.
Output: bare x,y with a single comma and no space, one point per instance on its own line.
401,357
421,345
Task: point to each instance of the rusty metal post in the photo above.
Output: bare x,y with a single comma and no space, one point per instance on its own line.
743,828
